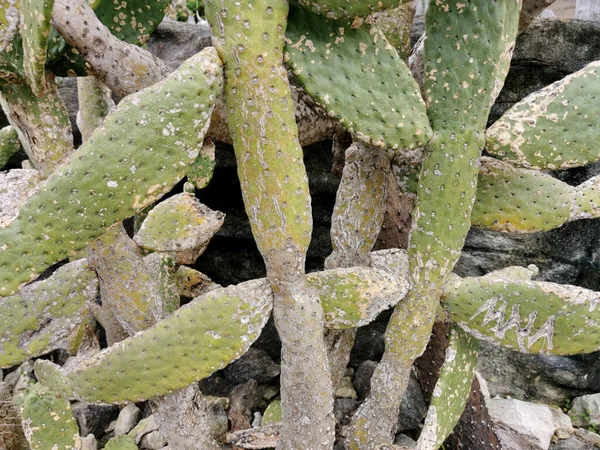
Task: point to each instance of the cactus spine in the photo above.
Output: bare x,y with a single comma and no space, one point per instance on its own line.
275,190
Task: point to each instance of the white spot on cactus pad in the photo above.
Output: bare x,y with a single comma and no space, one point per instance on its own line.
112,184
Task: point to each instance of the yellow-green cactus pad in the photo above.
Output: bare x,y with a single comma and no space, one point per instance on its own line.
48,421
529,316
197,340
273,413
451,390
47,315
139,153
123,442
349,8
553,128
35,30
357,77
180,226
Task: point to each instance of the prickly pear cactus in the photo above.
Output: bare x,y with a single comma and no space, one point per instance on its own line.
121,443
349,8
359,78
9,144
35,30
48,421
153,129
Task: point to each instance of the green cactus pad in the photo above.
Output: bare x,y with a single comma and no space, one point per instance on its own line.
46,315
336,9
451,390
123,442
35,30
467,55
197,340
529,316
553,128
358,78
201,171
180,226
520,200
132,21
48,421
273,413
9,144
139,153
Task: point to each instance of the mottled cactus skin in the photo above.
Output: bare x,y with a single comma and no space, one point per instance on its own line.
153,130
336,9
124,442
48,422
37,15
553,128
519,200
202,169
528,316
477,39
9,144
249,38
451,390
47,315
359,78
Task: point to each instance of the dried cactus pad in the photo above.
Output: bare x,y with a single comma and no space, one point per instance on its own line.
47,315
349,8
553,128
451,390
358,78
180,226
140,152
48,421
529,316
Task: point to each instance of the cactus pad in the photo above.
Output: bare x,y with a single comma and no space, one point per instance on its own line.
139,153
48,421
180,226
358,78
553,128
336,9
529,316
35,30
47,315
451,390
9,144
202,169
132,21
273,413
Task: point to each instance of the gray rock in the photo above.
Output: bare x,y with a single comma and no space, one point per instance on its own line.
588,437
89,443
153,441
345,389
573,443
413,407
520,425
93,418
362,378
144,427
255,364
404,440
586,410
244,401
342,407
128,418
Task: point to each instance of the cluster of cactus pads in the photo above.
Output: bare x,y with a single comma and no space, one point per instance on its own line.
158,135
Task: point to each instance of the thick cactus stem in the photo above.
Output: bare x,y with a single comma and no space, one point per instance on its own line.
9,144
180,226
140,152
320,52
249,37
48,422
529,316
42,123
35,29
95,102
477,36
553,128
47,315
336,9
451,390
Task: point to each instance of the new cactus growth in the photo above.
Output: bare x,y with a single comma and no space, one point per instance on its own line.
66,215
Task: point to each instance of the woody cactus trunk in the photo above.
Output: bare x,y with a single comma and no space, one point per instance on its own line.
342,55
